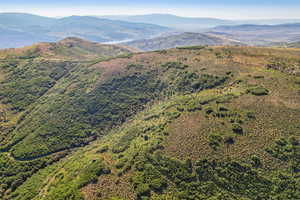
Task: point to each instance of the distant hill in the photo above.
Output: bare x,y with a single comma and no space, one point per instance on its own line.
286,44
293,45
18,29
17,20
179,40
260,34
194,23
12,38
269,21
173,21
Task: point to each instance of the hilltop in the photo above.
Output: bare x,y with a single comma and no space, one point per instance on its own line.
184,123
180,40
71,48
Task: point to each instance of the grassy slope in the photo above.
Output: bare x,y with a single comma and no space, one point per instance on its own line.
238,140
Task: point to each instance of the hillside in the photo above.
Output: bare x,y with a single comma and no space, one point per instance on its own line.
180,40
185,123
260,34
18,29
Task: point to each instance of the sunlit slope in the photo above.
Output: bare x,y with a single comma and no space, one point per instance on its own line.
190,123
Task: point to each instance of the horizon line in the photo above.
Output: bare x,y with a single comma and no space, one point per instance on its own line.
171,14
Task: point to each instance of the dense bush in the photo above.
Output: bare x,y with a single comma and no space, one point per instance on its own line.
231,179
287,150
258,91
192,47
214,141
27,82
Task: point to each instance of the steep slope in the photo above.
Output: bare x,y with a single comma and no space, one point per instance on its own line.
260,34
180,40
189,123
18,29
29,74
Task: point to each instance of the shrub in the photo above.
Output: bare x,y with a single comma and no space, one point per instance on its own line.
121,163
103,149
223,109
193,107
173,115
134,66
209,110
174,65
91,172
259,77
214,141
236,128
258,91
143,190
229,140
251,115
158,184
256,161
191,47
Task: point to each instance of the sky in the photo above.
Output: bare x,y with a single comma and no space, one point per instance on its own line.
226,9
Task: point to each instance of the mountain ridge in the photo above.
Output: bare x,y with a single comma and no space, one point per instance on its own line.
260,34
28,29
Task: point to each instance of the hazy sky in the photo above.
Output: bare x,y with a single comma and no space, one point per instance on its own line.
228,9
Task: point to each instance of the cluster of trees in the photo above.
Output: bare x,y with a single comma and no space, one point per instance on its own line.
28,80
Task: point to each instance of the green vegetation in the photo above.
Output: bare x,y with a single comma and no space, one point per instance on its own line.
215,140
287,150
191,47
13,174
29,80
145,126
258,91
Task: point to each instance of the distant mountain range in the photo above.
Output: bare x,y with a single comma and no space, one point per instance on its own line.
180,40
146,32
17,29
173,21
193,23
260,34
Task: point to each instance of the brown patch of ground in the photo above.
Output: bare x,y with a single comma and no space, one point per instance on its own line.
189,135
110,186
